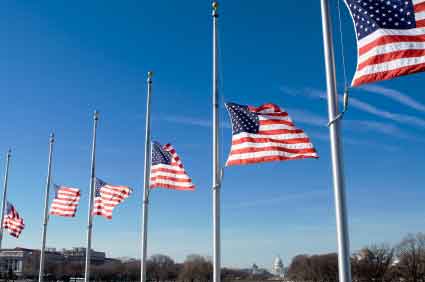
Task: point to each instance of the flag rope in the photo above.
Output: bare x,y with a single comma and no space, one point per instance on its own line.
346,96
344,66
222,99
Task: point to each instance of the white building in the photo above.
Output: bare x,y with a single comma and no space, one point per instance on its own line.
278,268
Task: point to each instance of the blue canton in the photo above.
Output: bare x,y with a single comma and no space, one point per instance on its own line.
57,188
370,15
99,185
8,208
159,155
243,120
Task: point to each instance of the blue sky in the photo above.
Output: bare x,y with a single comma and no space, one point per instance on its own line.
60,62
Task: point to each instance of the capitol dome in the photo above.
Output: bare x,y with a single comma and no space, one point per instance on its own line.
277,267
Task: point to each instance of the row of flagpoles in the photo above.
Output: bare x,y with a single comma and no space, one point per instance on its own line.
259,134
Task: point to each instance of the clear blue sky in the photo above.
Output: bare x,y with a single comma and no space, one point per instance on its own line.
59,62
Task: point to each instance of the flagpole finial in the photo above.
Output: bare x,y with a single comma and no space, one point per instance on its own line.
52,137
215,5
215,8
9,152
96,115
150,75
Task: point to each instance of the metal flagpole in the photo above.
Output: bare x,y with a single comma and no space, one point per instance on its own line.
336,149
146,180
46,207
216,159
3,205
91,199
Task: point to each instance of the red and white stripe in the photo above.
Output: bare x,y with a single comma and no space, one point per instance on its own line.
389,53
65,202
13,223
277,140
171,176
110,197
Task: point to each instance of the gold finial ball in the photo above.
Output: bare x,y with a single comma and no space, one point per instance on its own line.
215,5
150,74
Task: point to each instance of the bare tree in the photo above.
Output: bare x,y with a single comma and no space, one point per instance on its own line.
411,256
161,268
299,269
196,268
372,264
316,268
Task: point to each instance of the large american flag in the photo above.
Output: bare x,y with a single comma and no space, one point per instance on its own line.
390,38
12,221
264,134
167,170
108,196
65,202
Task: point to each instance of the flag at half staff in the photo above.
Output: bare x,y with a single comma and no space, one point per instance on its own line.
107,197
264,134
167,170
12,221
65,202
390,38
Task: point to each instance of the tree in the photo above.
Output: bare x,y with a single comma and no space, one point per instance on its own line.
316,268
161,268
196,268
299,268
372,264
411,256
132,270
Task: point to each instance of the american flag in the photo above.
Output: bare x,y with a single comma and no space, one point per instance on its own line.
12,221
65,202
390,38
167,170
108,196
264,134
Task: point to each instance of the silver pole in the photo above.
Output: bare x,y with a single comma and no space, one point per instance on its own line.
91,199
146,180
216,157
3,205
336,149
46,208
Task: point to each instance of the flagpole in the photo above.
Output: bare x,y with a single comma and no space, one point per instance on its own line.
336,149
216,158
46,207
146,180
91,199
3,205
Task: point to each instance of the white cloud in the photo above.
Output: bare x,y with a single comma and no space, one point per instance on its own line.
396,96
193,121
366,107
280,199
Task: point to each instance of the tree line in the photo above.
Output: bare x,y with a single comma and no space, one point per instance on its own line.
159,268
404,262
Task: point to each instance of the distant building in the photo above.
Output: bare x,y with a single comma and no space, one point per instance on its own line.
278,268
77,255
255,269
25,262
